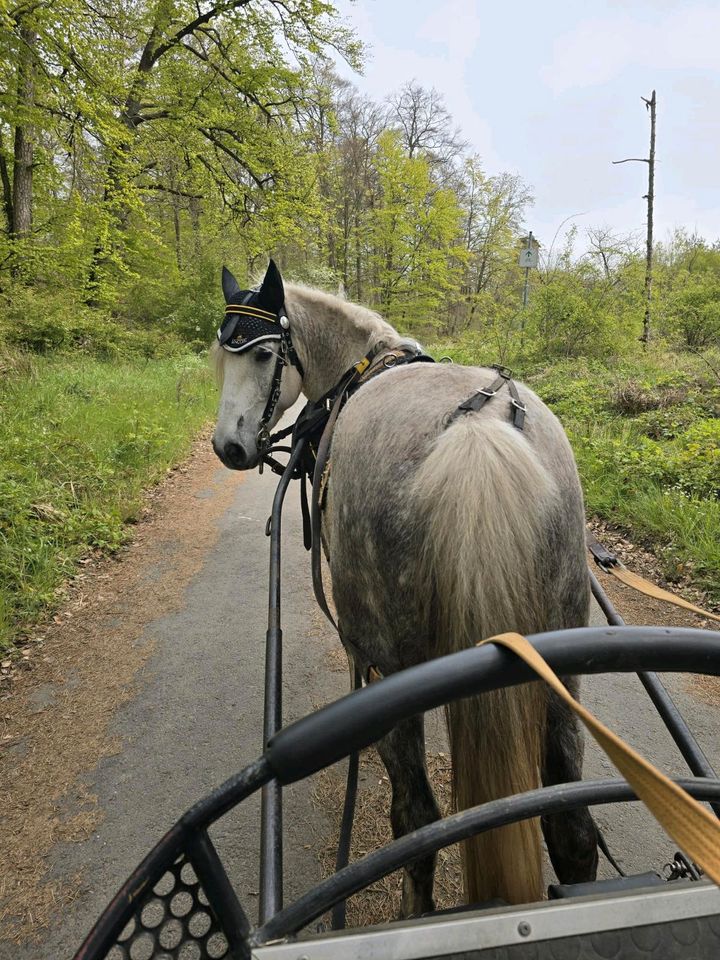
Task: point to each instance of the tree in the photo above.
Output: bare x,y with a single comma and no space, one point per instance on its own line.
425,126
215,77
650,197
493,211
415,238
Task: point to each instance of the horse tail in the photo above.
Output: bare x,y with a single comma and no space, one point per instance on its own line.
483,495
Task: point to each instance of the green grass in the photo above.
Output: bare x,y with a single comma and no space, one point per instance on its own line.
80,439
646,437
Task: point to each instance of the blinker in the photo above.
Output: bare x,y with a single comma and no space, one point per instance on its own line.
242,328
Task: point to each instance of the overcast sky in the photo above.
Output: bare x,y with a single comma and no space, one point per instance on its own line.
551,90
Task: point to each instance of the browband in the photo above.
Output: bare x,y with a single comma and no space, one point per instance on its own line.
253,311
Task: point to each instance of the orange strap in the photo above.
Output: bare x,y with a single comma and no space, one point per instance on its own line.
692,827
645,586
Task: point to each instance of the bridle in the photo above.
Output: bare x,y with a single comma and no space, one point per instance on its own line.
286,355
246,325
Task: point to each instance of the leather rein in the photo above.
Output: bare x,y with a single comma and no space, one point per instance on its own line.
315,427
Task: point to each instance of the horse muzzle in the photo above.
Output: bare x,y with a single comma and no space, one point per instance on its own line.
235,456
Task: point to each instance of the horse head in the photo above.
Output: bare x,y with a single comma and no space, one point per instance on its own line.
260,372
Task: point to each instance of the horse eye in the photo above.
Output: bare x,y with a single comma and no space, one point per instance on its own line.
262,355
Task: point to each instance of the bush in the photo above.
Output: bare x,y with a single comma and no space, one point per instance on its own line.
632,397
46,322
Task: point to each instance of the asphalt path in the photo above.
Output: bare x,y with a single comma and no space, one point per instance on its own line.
197,718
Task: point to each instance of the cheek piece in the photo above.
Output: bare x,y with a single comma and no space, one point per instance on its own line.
244,327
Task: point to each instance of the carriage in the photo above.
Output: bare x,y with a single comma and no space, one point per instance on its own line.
180,903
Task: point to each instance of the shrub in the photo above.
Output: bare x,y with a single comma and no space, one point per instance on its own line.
42,321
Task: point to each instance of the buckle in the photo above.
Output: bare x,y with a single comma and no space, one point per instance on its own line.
504,371
518,404
487,392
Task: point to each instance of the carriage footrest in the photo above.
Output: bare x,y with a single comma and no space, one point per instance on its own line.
561,891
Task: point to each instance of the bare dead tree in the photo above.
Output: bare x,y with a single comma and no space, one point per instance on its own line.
425,124
609,250
650,197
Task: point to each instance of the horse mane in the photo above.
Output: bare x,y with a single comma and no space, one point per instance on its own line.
217,362
325,320
316,303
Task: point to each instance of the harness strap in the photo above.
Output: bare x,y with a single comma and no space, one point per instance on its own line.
609,562
377,360
690,824
478,400
321,459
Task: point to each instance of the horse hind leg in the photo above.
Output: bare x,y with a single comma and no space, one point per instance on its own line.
572,836
413,805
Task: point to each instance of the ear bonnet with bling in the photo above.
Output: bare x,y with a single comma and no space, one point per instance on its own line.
254,317
251,316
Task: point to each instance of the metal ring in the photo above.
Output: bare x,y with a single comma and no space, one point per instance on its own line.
262,439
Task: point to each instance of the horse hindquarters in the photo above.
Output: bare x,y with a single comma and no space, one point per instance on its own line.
485,498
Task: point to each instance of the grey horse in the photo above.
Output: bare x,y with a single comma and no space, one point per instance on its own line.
438,536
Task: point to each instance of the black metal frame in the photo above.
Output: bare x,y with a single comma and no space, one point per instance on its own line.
359,719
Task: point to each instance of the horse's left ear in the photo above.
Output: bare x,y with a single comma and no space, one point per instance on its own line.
230,285
272,292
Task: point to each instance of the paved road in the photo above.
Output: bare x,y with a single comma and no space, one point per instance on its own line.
197,718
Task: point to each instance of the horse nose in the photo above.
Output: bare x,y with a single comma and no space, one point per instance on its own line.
232,454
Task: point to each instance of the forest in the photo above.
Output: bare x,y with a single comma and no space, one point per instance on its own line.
143,144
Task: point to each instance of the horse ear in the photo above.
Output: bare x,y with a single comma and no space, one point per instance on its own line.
230,286
272,292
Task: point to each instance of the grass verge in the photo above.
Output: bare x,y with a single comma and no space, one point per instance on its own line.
646,436
81,438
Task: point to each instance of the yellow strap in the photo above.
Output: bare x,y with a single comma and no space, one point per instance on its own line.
645,586
362,365
690,825
252,311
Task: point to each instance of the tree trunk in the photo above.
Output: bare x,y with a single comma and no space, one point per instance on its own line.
178,238
130,119
22,196
6,187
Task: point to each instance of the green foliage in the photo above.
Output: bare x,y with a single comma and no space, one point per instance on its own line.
81,438
414,229
44,321
653,466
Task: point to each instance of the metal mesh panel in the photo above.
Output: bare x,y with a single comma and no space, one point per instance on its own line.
173,922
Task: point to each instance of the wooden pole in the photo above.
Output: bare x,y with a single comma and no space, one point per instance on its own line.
650,197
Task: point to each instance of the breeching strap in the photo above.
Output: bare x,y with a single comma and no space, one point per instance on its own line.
692,827
608,562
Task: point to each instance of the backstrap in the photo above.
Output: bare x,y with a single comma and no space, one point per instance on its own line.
478,400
